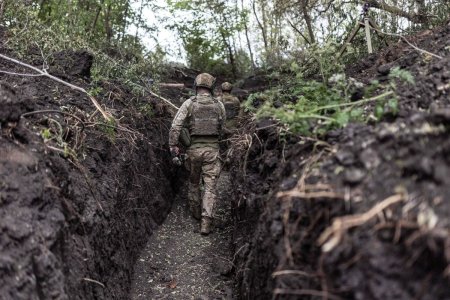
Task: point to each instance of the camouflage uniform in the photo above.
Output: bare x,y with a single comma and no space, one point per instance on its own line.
233,110
203,153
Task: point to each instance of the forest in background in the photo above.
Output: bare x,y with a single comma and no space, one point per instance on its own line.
295,43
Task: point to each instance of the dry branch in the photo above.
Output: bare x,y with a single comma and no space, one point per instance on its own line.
305,292
332,235
94,281
44,73
408,42
164,99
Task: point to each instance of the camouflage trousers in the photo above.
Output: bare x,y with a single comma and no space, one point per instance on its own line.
204,166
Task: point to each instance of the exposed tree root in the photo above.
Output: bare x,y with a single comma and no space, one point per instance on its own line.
332,235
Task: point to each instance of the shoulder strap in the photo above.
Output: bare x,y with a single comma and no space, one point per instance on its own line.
193,99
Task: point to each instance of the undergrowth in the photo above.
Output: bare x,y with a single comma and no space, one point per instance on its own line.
125,61
310,107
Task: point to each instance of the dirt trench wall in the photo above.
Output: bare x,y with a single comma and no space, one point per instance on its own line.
72,228
293,191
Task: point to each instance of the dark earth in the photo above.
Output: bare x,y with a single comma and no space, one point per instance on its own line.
82,203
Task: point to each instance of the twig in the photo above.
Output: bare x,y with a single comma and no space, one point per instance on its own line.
249,139
351,103
292,272
164,99
21,74
279,291
94,281
311,195
332,235
408,42
52,111
44,73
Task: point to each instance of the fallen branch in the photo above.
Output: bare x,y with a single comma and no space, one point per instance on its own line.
164,99
408,42
44,73
53,111
324,294
94,281
21,74
173,85
384,95
292,272
332,235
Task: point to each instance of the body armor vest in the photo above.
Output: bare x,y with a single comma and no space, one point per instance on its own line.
231,107
205,117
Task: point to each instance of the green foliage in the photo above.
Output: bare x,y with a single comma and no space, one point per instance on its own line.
401,74
147,110
51,26
207,28
313,108
110,129
46,134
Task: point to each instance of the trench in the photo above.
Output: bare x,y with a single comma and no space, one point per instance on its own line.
180,263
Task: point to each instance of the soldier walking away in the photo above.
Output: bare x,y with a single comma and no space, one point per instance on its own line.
232,106
203,116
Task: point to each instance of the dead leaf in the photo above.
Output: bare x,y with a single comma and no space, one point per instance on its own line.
172,284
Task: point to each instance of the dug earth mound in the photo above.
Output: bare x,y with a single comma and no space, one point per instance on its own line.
79,196
363,213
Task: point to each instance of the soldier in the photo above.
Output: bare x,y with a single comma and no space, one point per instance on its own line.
232,106
203,116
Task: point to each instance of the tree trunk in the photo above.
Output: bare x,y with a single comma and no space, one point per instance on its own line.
2,9
249,46
124,25
308,21
108,28
415,18
263,30
94,24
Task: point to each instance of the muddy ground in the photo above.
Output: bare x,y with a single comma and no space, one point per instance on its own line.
295,190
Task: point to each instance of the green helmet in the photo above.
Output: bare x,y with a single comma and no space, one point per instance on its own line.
226,86
205,80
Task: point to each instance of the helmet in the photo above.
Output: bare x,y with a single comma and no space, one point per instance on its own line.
205,80
226,86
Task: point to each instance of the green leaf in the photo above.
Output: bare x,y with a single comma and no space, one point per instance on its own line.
379,111
342,118
393,105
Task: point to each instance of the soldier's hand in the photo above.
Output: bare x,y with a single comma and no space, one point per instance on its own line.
174,151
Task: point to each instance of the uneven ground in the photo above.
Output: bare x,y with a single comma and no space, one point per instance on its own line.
179,263
388,181
78,207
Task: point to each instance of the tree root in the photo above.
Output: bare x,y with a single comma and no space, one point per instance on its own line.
332,235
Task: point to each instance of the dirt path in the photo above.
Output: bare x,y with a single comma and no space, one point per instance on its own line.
179,263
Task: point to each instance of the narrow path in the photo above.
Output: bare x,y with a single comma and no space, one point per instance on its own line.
179,263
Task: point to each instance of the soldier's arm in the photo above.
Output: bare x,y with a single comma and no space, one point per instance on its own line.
178,122
222,113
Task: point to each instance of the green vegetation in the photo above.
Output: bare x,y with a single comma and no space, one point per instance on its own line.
313,108
100,27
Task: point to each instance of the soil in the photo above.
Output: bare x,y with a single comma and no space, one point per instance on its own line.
179,263
75,209
400,253
82,204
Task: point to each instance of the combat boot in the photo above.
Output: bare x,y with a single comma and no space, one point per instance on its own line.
196,211
205,227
